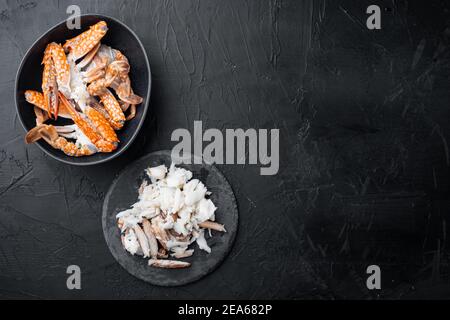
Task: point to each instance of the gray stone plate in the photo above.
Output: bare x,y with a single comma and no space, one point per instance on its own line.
124,192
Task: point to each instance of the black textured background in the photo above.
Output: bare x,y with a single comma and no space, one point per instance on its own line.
364,120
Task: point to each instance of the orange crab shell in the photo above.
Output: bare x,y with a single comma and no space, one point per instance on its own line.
85,42
61,65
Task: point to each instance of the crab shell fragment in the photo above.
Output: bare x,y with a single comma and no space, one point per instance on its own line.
87,82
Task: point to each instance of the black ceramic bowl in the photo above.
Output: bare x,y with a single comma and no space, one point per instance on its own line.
119,36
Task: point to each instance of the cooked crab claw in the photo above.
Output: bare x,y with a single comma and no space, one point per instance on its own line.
67,71
37,99
50,134
49,83
56,77
83,44
94,126
87,140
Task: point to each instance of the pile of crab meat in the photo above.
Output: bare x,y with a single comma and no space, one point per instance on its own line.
173,212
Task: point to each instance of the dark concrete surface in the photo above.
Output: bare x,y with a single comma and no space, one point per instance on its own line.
364,119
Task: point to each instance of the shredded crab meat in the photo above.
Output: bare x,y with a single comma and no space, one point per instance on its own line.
130,242
172,213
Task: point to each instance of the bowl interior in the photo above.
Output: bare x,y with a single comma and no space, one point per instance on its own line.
119,37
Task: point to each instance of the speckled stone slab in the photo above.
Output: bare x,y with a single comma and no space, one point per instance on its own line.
124,192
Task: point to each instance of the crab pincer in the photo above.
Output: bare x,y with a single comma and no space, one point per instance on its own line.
67,71
37,99
49,83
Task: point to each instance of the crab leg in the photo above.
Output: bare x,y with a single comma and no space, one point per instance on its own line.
97,69
56,77
40,110
62,67
102,143
162,254
88,40
110,103
113,108
168,264
37,99
182,255
100,108
50,135
98,121
153,243
212,226
41,116
122,87
143,241
49,83
94,74
103,125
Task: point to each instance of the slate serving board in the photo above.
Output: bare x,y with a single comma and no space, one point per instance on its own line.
124,192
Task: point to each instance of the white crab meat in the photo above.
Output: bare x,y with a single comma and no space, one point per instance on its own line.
171,213
149,193
173,245
205,211
73,132
178,201
177,177
167,224
157,173
166,198
194,191
201,242
129,218
183,224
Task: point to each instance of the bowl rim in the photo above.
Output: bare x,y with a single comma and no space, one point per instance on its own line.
115,154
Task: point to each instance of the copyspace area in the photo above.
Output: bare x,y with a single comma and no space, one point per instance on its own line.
363,166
